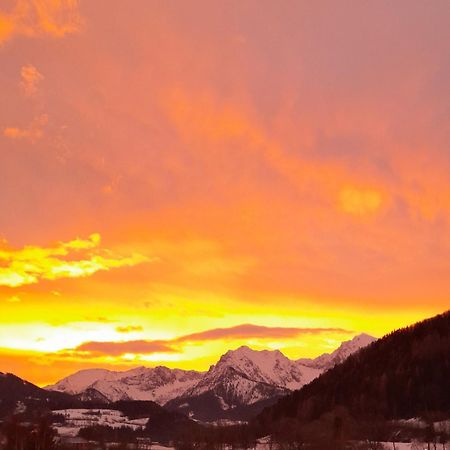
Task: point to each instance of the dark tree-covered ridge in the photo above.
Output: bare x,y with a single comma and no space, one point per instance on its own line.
405,374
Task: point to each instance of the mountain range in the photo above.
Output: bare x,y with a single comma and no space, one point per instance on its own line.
237,387
366,389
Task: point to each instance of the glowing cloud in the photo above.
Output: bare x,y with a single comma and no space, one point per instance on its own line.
34,132
123,348
248,331
359,201
32,18
31,264
30,78
146,347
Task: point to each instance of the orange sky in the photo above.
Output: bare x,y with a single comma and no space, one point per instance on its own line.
180,178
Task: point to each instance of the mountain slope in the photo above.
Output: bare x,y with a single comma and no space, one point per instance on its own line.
405,374
244,381
158,384
20,396
240,385
17,395
347,348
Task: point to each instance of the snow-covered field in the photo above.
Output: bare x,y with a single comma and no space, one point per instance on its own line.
408,446
80,418
387,446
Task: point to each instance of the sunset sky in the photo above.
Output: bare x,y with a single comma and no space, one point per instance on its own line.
178,178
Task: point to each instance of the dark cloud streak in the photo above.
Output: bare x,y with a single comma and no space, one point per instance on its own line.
244,331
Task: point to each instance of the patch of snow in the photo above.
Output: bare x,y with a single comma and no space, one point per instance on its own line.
75,419
347,348
159,384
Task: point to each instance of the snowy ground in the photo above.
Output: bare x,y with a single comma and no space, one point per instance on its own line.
263,444
80,418
408,446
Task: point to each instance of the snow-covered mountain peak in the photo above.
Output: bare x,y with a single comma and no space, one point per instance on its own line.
242,377
81,380
347,348
159,384
245,354
354,344
245,375
363,339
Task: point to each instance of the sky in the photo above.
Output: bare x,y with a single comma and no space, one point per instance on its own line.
181,178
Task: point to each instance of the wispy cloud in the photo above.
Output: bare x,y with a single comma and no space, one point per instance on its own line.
32,133
33,18
122,348
248,331
29,80
146,347
31,264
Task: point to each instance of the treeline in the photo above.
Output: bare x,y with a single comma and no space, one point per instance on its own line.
37,435
405,374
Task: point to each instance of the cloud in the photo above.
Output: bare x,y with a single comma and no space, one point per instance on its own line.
33,18
33,133
142,347
122,348
30,78
129,329
205,118
360,201
31,264
248,331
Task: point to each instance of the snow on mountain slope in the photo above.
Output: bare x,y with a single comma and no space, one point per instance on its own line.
329,360
242,378
250,375
244,381
158,384
79,381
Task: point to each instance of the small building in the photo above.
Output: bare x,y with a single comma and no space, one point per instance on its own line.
75,442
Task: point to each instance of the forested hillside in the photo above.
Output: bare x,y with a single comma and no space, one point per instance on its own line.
405,374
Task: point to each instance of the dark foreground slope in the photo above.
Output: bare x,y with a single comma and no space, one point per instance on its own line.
20,395
405,374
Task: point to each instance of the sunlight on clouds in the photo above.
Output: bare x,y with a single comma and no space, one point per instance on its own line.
33,18
30,78
34,132
31,264
359,202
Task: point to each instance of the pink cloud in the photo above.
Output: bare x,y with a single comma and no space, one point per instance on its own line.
248,331
245,331
121,348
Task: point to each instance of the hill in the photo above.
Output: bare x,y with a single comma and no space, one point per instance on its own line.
403,375
17,395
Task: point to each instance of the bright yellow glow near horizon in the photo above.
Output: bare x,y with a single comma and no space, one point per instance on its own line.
197,181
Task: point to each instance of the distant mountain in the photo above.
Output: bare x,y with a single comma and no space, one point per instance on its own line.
239,386
347,348
244,381
158,384
17,395
403,375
